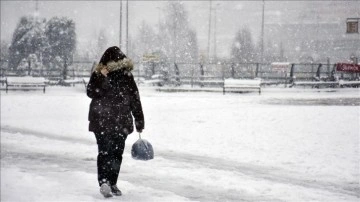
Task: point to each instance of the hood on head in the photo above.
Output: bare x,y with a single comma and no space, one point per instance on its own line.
113,53
111,66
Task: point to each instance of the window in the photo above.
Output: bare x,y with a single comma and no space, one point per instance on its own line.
352,25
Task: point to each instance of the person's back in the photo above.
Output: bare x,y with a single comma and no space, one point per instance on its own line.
115,99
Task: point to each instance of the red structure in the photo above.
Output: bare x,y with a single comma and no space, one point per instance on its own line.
348,67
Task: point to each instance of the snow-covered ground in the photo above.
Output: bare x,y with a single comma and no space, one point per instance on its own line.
282,145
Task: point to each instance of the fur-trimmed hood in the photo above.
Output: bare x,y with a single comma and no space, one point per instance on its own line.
111,66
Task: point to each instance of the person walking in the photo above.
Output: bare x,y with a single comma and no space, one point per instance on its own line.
115,103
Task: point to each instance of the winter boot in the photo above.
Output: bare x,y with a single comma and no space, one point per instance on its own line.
115,190
105,190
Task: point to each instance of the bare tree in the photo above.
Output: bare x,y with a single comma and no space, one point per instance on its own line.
243,49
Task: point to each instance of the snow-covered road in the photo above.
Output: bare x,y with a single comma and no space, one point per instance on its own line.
51,156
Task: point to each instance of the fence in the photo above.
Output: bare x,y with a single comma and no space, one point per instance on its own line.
196,73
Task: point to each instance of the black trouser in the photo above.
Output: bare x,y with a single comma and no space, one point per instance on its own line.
110,151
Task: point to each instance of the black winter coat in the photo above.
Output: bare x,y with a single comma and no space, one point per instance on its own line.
115,100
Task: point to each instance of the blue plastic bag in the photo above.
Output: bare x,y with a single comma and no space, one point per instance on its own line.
142,150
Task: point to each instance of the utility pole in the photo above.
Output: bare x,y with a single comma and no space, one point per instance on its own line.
175,36
36,7
120,39
36,14
262,32
127,27
159,23
215,21
208,51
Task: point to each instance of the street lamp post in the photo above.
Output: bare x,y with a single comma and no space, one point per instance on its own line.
209,31
215,29
127,27
120,39
262,32
215,42
215,56
159,18
175,35
36,10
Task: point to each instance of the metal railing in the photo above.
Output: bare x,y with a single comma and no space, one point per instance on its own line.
195,73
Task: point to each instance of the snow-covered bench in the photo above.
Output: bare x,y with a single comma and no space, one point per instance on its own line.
315,83
340,83
343,83
26,83
3,80
240,85
214,82
156,80
86,80
73,81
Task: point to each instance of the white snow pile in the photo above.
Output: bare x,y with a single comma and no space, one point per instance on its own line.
300,145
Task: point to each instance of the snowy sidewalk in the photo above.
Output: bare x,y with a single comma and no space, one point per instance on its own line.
208,147
67,174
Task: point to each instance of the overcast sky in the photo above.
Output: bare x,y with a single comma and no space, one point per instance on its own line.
92,16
